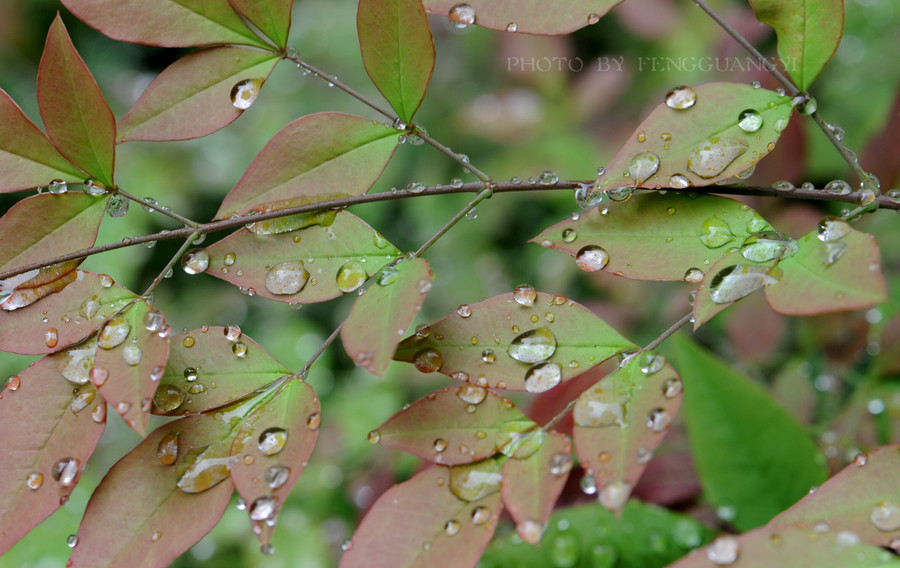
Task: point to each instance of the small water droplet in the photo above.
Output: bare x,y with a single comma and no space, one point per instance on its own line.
480,515
272,441
428,360
117,206
678,181
715,233
525,295
72,541
195,261
804,104
886,516
244,93
783,185
548,178
262,509
472,394
13,383
462,15
592,258
167,450
512,27
681,98
530,531
34,480
711,157
374,437
542,377
671,388
750,121
832,229
861,460
693,275
838,187
276,476
351,276
239,349
51,337
65,471
464,311
615,494
659,420
651,362
560,463
724,550
132,355
588,484
81,401
642,166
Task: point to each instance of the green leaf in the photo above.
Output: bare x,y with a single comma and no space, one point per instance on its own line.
337,259
749,452
166,23
399,532
195,96
132,354
532,485
455,425
657,237
211,367
381,316
841,273
809,33
397,50
699,144
272,17
138,516
554,339
77,118
315,158
527,16
64,318
47,225
27,158
621,420
271,449
862,499
44,424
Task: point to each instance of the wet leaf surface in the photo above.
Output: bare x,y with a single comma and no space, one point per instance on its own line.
524,16
272,17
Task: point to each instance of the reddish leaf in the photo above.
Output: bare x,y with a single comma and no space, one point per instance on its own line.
44,226
270,452
337,259
196,95
132,354
315,158
76,116
397,50
272,17
553,338
64,318
49,280
620,422
44,425
524,16
456,425
138,516
27,158
532,485
211,367
421,523
813,281
656,237
380,317
743,278
167,23
882,153
699,143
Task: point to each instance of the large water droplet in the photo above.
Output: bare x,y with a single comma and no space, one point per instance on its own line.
592,413
715,233
168,398
272,441
693,275
768,245
724,550
132,355
351,276
114,333
428,360
831,229
886,516
530,531
681,98
750,120
525,295
276,476
262,509
462,15
679,181
472,394
286,278
82,400
117,206
542,377
202,472
614,495
65,471
642,166
838,187
734,282
167,450
592,258
472,482
195,261
75,363
245,92
671,388
533,346
710,158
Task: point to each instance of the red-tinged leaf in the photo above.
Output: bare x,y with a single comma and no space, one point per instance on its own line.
44,426
198,94
456,425
882,154
523,16
27,158
270,452
862,499
532,485
166,23
380,317
319,263
64,318
76,116
809,33
621,420
842,272
49,280
791,546
138,516
656,237
47,225
421,523
397,50
272,17
731,278
709,133
132,354
315,158
520,341
211,367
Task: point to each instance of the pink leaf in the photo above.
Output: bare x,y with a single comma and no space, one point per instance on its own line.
272,17
49,435
76,116
49,280
380,317
523,16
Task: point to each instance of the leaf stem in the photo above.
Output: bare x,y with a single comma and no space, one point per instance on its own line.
420,132
159,278
485,193
328,341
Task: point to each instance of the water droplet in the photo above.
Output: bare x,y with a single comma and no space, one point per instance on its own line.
710,158
651,362
72,541
886,516
472,394
387,276
65,471
462,15
530,531
276,476
480,515
428,360
512,27
168,398
98,376
659,420
374,437
472,482
424,285
525,295
75,363
768,245
117,206
114,333
167,450
132,355
569,235
548,178
13,383
58,187
51,337
671,388
542,377
123,407
98,415
351,276
614,495
620,194
464,311
34,480
693,275
93,187
831,229
560,463
783,185
195,261
591,258
239,349
735,282
81,401
678,181
838,187
440,445
533,346
262,509
154,321
750,121
716,233
456,183
286,278
245,92
724,550
272,441
190,374
804,104
451,528
642,166
681,98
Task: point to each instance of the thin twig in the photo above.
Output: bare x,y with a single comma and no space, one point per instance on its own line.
456,219
420,132
170,264
156,207
328,341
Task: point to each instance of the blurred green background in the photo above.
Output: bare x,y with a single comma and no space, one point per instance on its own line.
510,120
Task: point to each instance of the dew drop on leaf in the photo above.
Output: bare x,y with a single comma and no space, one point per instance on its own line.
671,388
678,181
681,98
886,516
659,420
462,15
374,437
651,363
533,346
471,482
831,229
768,245
591,258
569,235
615,495
272,441
641,167
693,275
314,421
262,509
123,407
58,187
195,261
277,475
590,413
34,480
51,337
239,349
724,550
593,19
65,471
710,158
439,445
132,355
488,356
735,282
542,377
167,450
168,398
750,121
201,472
98,415
512,27
560,463
588,484
81,401
286,278
351,276
530,531
451,528
715,233
472,394
244,93
525,295
428,360
113,333
75,363
72,541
